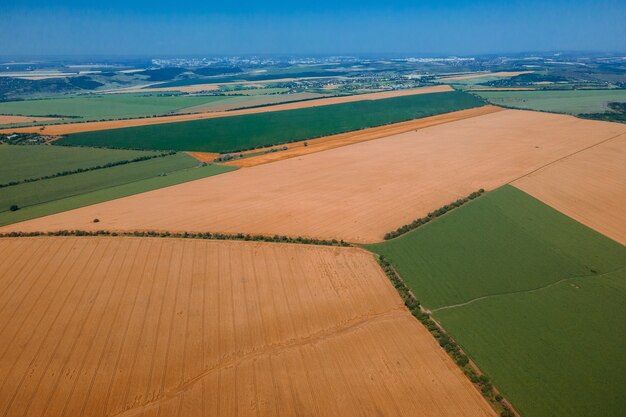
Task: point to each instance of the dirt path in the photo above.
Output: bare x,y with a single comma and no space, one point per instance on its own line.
64,129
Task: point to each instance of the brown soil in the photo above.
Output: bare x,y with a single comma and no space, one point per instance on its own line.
8,120
204,156
356,193
65,129
350,138
175,327
589,186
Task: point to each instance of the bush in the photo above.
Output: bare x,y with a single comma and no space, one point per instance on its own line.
14,207
507,413
462,360
96,220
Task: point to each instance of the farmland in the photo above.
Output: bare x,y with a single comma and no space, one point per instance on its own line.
8,120
228,134
52,195
384,240
182,327
264,155
588,186
69,128
356,193
556,289
253,77
22,162
470,81
105,106
231,102
567,101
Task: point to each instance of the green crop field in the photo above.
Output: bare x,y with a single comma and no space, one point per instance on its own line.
49,196
534,297
566,101
20,162
105,106
228,134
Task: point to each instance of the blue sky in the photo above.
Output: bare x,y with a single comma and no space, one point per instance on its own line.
153,28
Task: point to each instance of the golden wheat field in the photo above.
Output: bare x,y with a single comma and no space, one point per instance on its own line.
119,326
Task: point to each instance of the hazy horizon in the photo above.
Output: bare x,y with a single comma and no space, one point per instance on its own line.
310,28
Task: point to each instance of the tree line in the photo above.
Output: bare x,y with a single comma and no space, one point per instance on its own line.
94,168
186,235
445,341
432,215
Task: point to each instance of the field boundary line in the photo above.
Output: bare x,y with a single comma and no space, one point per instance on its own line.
478,379
552,284
90,169
186,235
565,157
338,140
433,215
177,118
346,327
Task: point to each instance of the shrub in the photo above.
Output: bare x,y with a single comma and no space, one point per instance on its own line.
507,413
96,220
14,207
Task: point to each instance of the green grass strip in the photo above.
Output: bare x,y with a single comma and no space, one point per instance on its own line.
111,193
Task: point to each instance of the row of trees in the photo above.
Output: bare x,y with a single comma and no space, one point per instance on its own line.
185,235
94,168
445,341
231,156
432,215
